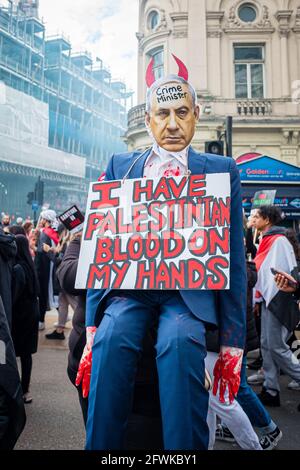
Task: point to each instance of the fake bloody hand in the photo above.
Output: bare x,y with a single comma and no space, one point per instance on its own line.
227,372
85,365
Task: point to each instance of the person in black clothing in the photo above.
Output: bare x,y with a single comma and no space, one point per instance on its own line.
17,230
25,315
282,280
66,274
45,265
8,250
12,412
64,299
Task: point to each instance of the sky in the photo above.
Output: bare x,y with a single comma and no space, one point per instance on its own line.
106,28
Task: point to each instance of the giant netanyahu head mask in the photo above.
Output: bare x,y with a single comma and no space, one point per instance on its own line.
171,109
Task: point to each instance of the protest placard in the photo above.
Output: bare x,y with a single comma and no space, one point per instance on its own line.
72,219
160,233
265,197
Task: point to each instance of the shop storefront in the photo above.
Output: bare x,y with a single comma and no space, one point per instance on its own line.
260,172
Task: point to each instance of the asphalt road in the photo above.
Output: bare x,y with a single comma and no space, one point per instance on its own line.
54,420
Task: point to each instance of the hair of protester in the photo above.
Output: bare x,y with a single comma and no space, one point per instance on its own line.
291,235
23,252
60,228
27,226
23,255
17,230
163,81
273,213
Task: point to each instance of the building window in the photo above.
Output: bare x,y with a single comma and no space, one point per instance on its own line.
158,65
249,71
247,13
153,20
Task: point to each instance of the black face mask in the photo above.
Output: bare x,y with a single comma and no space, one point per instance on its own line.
5,224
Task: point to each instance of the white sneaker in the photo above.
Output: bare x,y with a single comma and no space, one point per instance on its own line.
256,379
293,385
41,325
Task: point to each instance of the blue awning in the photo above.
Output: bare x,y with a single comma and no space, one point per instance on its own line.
265,169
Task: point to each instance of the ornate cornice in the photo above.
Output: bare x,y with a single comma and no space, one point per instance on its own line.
179,16
180,24
284,32
157,35
214,33
283,17
214,20
214,15
263,24
247,30
296,28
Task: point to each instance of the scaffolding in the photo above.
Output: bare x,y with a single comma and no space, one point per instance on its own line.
86,109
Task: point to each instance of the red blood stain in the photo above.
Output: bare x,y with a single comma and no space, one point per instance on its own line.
172,172
227,373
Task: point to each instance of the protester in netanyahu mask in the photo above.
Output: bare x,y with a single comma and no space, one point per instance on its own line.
117,320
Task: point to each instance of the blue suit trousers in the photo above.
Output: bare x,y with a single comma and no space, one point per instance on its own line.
180,357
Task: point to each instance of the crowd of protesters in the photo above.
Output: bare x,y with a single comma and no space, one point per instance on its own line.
29,257
37,273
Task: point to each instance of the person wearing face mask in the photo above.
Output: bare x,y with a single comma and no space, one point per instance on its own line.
117,320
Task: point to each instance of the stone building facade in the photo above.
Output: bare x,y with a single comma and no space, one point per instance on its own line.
243,58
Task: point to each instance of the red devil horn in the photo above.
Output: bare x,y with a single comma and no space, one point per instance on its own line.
183,71
150,78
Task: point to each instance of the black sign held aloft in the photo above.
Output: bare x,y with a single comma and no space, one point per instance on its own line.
72,219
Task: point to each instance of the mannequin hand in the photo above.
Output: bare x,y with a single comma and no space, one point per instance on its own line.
227,372
85,365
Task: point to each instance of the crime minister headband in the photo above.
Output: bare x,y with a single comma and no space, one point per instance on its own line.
182,72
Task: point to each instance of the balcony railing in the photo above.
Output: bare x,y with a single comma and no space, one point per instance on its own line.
136,116
250,108
111,118
244,108
34,42
58,61
12,64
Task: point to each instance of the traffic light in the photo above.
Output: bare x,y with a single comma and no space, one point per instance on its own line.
214,146
39,192
30,197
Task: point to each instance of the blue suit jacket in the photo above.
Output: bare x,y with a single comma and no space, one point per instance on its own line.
225,309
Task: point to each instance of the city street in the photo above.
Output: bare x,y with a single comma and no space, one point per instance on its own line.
54,420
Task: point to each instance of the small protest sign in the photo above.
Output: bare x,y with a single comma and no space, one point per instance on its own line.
265,197
160,233
72,219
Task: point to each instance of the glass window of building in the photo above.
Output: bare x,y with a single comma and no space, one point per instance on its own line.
247,13
158,64
153,19
249,71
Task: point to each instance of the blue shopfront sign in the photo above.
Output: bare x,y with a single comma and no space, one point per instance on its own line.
267,173
268,170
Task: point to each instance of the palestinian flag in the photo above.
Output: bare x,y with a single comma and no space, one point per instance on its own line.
275,251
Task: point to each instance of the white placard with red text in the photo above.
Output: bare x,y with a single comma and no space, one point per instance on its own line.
161,233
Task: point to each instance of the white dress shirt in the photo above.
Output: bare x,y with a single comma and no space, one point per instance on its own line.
160,162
